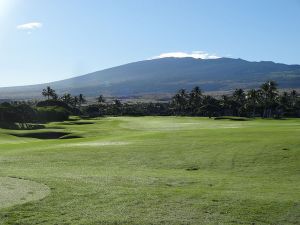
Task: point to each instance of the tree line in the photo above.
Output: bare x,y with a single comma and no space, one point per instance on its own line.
266,102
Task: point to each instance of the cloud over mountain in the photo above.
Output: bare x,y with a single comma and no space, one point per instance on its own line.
193,54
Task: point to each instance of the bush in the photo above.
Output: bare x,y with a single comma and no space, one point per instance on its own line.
52,113
16,113
58,103
21,126
53,102
92,111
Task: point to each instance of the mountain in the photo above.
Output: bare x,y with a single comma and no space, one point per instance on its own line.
167,75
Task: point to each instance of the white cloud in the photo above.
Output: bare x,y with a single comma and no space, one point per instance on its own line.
194,54
30,26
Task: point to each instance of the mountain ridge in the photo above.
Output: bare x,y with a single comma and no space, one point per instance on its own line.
166,75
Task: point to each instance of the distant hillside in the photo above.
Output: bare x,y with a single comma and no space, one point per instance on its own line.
167,75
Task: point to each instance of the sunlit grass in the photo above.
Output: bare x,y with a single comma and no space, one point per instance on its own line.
158,170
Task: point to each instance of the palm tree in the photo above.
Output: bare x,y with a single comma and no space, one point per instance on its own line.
253,98
49,92
101,99
239,97
210,106
67,98
81,100
117,107
226,104
180,101
195,98
75,101
54,96
117,102
294,96
284,99
269,94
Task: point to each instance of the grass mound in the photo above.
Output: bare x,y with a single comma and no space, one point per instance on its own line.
15,191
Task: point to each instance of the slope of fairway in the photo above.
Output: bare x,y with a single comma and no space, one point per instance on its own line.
156,170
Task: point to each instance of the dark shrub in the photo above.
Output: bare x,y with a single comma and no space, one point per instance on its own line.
16,113
58,103
52,113
5,104
92,111
53,102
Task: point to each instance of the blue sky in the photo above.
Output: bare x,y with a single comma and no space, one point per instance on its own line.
48,40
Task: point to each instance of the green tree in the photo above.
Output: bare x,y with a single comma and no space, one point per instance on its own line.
195,99
67,98
75,101
49,93
81,100
210,106
253,100
180,101
239,98
101,99
269,94
294,97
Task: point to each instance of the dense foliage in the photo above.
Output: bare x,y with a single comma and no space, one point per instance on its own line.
265,102
52,113
22,113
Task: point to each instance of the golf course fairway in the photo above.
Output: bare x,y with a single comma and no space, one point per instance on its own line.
152,170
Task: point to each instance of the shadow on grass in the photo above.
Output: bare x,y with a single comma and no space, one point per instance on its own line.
77,123
192,168
48,135
232,118
70,137
21,126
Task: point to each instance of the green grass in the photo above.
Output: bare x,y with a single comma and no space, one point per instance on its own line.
14,191
158,170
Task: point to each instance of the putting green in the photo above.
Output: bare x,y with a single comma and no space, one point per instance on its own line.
14,191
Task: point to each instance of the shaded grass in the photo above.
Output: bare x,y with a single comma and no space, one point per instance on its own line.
43,135
77,123
232,118
21,126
